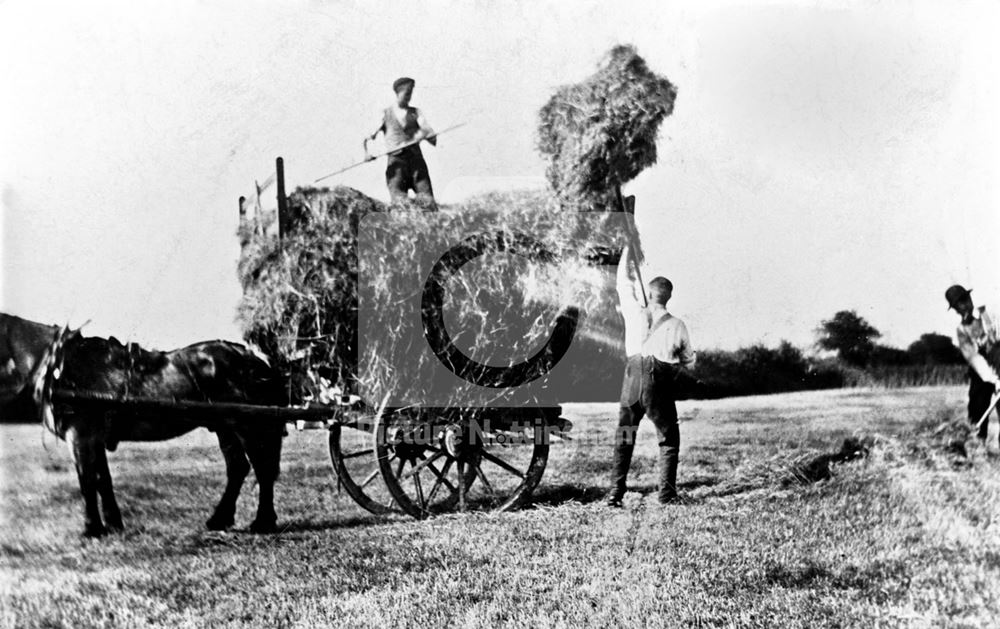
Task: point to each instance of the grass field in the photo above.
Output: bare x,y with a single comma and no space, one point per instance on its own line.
909,536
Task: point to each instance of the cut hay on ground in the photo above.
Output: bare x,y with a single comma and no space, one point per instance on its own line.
940,444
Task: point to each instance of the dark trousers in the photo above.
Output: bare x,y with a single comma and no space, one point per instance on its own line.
980,395
647,391
407,171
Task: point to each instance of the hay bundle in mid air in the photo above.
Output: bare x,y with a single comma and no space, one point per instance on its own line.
599,134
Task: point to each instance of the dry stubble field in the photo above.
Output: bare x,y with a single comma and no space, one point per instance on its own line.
909,536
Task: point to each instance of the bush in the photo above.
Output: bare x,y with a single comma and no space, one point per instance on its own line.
885,356
759,369
935,349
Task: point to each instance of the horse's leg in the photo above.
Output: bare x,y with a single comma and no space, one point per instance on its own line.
264,449
109,506
83,445
237,468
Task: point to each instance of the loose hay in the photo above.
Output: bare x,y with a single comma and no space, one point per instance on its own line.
299,301
601,133
301,296
940,444
819,467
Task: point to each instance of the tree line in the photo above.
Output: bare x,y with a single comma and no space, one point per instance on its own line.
858,360
854,340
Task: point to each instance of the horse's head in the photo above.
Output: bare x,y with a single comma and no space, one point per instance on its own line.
22,345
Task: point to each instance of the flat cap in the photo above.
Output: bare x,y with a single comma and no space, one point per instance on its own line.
401,81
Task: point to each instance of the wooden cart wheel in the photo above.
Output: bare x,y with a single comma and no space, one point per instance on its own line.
355,462
431,469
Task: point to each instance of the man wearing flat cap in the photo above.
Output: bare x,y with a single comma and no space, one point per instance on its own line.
979,341
405,126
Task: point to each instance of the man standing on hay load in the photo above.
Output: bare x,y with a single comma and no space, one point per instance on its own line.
979,341
405,126
658,349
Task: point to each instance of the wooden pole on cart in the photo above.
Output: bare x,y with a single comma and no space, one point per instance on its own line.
207,413
279,171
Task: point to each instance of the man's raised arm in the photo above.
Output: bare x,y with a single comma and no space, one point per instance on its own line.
369,138
625,283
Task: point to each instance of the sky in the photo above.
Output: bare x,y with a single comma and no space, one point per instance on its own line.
821,156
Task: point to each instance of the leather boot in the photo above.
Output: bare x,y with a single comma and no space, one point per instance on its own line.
619,473
668,473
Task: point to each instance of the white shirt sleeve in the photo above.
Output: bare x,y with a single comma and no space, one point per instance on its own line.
990,324
972,356
632,310
423,124
682,347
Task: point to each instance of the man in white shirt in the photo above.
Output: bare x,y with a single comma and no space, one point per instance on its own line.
405,126
658,349
979,342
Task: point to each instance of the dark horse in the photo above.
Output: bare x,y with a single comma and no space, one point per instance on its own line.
213,371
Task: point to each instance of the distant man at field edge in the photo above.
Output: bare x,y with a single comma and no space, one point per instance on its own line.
406,169
979,341
658,350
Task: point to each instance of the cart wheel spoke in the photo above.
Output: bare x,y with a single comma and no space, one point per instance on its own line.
501,463
352,455
370,478
441,479
443,475
482,478
461,485
424,462
420,491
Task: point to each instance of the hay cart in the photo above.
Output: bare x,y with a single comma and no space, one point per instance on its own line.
429,460
418,460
